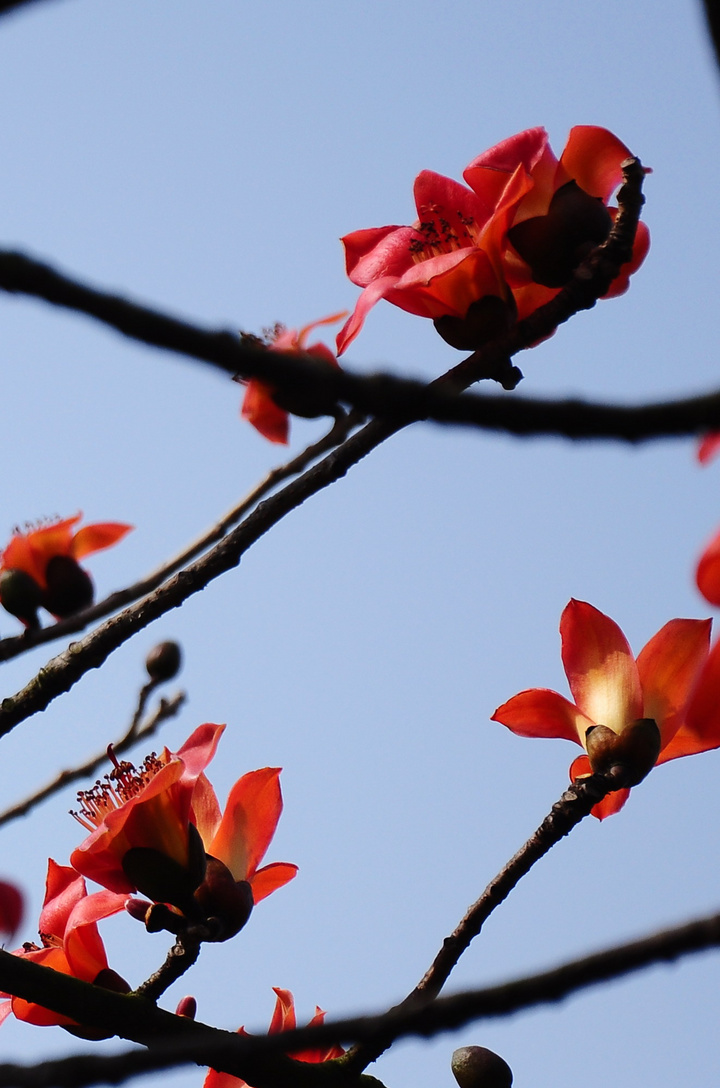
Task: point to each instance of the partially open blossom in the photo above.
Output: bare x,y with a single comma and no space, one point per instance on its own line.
627,712
477,258
267,408
159,830
283,1019
70,941
12,905
40,567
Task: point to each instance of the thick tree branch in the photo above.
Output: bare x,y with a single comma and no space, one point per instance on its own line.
174,1041
712,16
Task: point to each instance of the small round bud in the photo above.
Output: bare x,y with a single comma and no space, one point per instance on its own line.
21,596
69,588
187,1007
478,1067
164,661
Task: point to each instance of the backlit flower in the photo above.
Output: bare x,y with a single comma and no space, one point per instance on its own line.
69,941
283,1019
266,407
633,713
40,567
159,830
477,258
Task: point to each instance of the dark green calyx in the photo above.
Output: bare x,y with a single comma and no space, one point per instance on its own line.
21,596
69,587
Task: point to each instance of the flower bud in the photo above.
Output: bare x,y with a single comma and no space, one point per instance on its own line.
69,587
137,908
21,596
164,661
634,751
478,1067
187,1007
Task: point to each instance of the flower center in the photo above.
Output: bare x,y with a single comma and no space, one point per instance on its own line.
441,231
115,789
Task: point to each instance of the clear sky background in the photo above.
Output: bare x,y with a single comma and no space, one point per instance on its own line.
205,157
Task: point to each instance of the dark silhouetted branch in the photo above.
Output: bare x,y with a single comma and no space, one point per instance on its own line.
209,1046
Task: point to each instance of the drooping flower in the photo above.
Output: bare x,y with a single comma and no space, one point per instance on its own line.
564,212
268,408
477,258
636,713
70,941
159,830
40,567
283,1019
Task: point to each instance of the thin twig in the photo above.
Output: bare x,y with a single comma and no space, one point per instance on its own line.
180,958
166,709
175,1041
574,805
18,644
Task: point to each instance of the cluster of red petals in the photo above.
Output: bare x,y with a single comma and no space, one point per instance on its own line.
283,1019
675,682
155,807
70,941
260,405
31,552
514,234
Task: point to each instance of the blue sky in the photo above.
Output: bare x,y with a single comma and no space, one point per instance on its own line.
206,158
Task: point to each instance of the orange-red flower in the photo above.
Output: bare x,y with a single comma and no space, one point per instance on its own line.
264,406
70,941
40,567
477,257
637,713
159,830
283,1019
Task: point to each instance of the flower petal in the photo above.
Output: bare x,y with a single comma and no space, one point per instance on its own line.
707,574
708,447
700,731
592,158
611,803
540,712
283,1017
249,821
488,174
93,538
372,294
271,877
668,667
377,251
600,667
259,408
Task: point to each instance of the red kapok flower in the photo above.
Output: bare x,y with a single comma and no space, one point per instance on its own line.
159,830
40,567
70,942
707,575
283,1019
564,213
635,713
444,266
264,406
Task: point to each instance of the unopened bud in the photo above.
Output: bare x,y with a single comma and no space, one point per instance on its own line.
21,596
226,903
187,1007
137,908
633,752
164,661
478,1067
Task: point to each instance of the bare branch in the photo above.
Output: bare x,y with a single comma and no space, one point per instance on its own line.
166,709
175,1041
18,644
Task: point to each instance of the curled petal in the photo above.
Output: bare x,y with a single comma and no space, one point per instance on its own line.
373,293
540,712
283,1017
376,252
600,667
611,803
488,174
259,408
271,877
592,158
700,731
